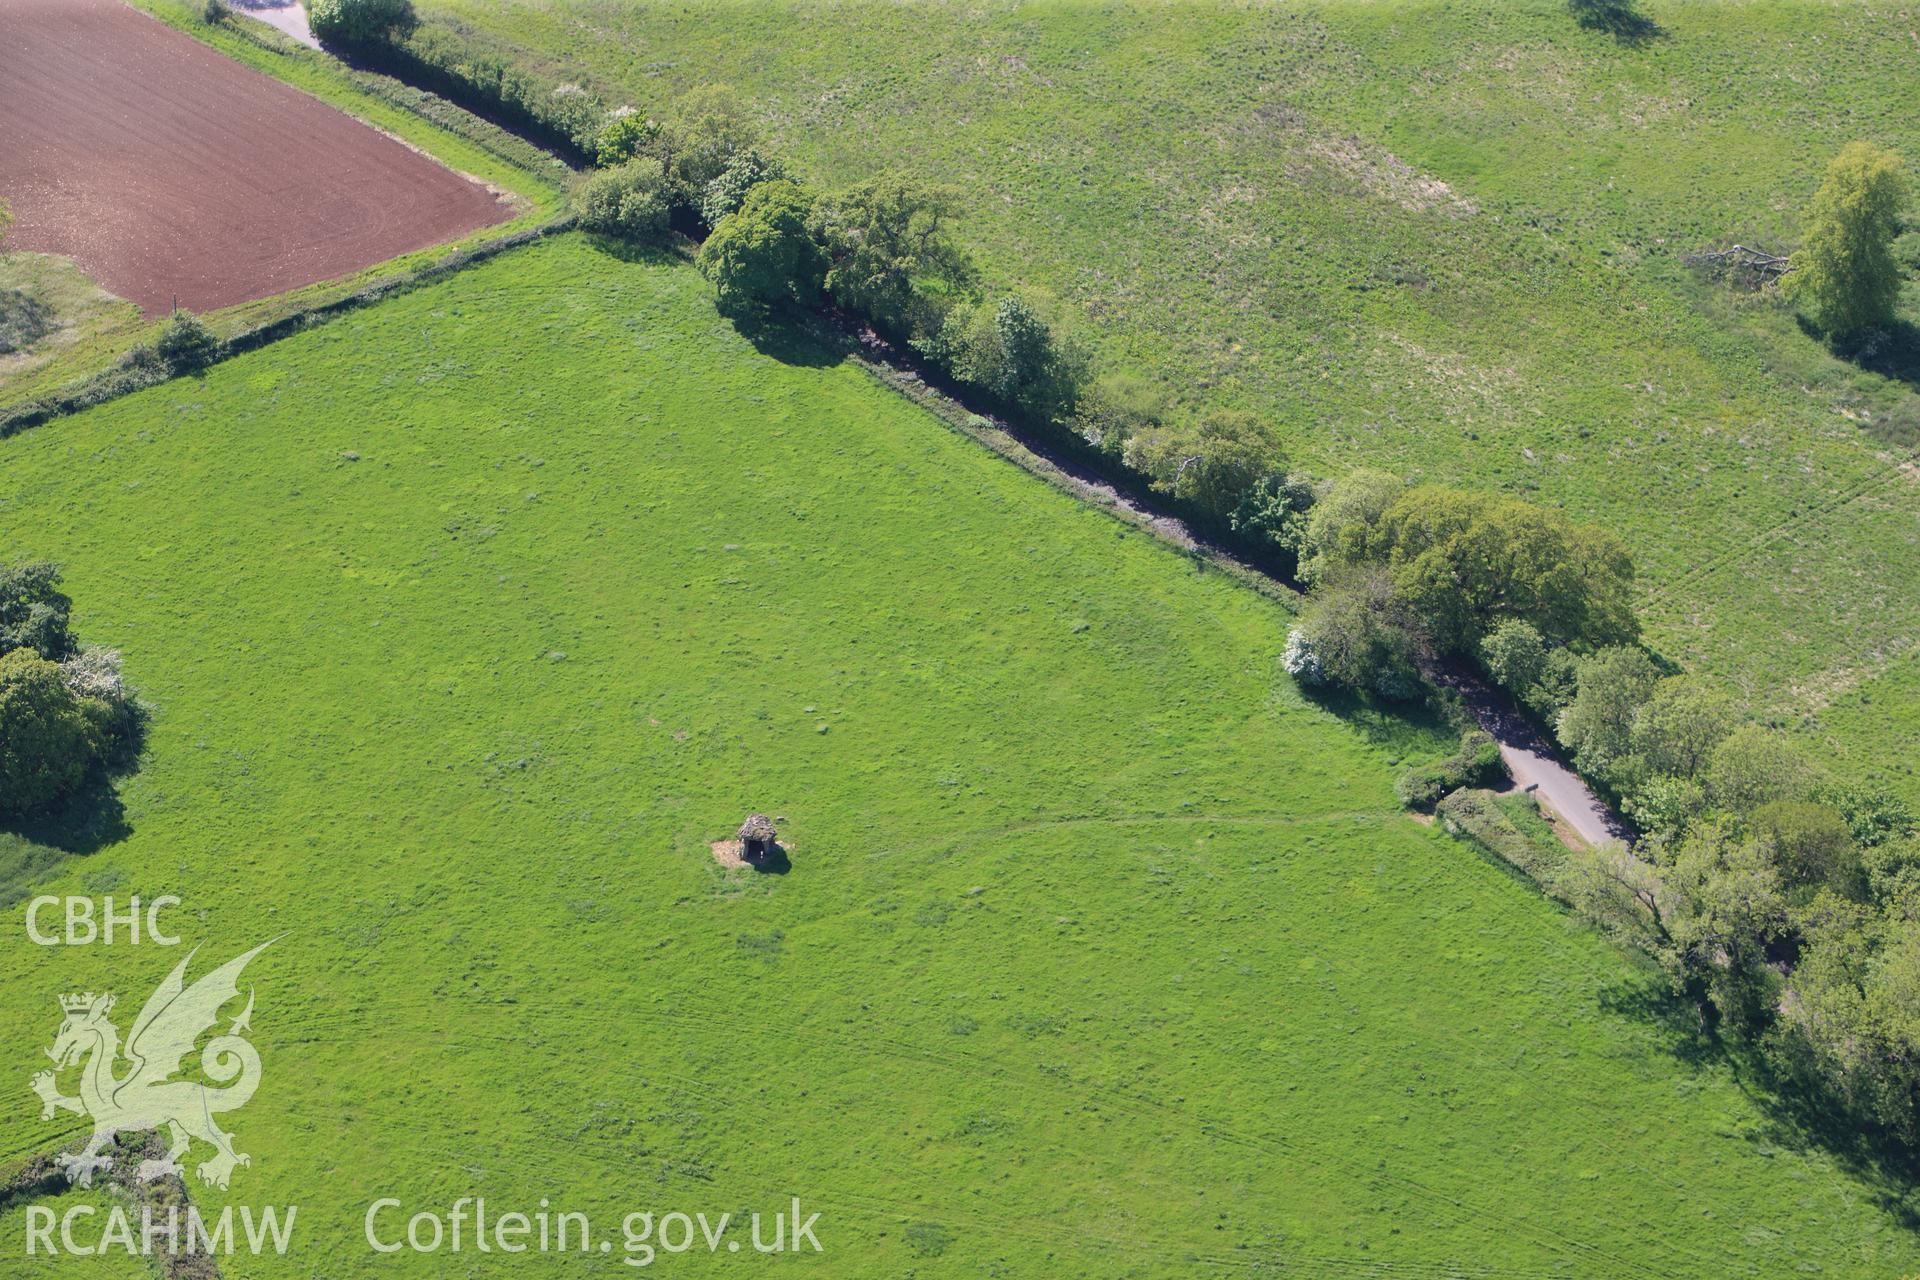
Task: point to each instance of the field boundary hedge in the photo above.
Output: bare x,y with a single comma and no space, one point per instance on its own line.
368,95
1474,816
142,368
541,191
1088,478
498,139
479,77
408,65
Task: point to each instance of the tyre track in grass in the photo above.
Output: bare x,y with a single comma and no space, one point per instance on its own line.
1712,566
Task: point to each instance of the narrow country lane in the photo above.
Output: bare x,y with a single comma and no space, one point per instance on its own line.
1533,762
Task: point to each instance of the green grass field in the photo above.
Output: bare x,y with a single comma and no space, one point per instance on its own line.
1103,953
1439,238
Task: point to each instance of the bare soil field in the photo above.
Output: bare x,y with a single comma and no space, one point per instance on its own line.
171,173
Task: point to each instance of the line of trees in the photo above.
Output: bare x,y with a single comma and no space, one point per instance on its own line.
1786,904
1784,901
459,67
1402,577
881,250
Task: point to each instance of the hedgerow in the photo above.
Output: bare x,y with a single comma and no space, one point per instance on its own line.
1476,764
882,252
1476,815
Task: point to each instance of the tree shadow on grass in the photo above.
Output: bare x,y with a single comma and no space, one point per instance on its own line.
794,338
84,821
33,848
87,821
1801,1114
1410,727
1892,352
1619,19
1651,999
648,254
1798,1113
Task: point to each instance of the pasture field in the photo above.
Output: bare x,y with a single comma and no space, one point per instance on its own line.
1874,725
1102,953
1440,238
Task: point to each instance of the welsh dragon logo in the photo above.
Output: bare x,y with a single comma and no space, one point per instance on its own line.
144,1094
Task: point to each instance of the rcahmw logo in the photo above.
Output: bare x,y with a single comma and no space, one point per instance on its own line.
168,1232
138,1087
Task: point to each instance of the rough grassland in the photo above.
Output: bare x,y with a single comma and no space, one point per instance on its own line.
1103,953
1441,238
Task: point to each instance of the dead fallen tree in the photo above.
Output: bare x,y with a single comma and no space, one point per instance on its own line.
1742,265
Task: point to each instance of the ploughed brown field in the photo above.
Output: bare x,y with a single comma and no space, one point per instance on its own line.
169,172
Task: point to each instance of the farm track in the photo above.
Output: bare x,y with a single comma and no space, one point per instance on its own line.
1531,760
1589,1259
